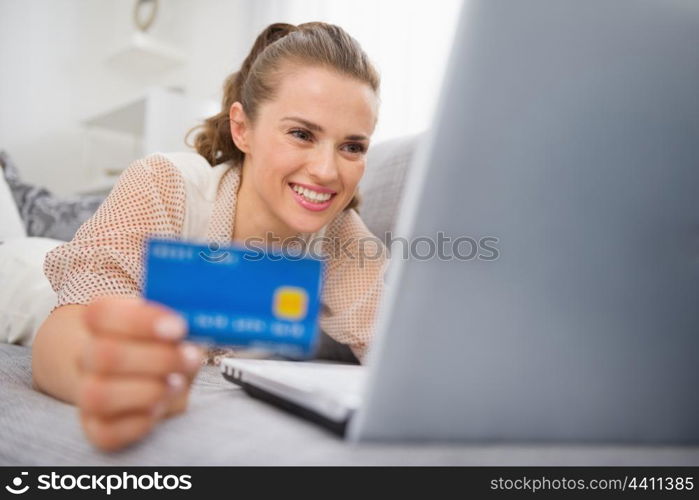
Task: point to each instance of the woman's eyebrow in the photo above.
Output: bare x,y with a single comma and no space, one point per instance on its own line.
317,128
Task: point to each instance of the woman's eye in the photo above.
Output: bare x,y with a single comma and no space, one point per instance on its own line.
355,148
301,134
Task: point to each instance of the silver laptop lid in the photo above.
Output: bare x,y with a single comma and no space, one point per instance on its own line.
569,131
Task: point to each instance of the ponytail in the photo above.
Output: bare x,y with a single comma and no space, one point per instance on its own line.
214,141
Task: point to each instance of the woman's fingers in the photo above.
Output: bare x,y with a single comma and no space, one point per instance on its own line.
112,396
134,369
134,318
112,434
111,356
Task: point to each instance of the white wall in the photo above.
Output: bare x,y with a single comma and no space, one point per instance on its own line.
39,46
54,74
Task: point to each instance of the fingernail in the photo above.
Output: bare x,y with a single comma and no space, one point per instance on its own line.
170,327
190,355
175,382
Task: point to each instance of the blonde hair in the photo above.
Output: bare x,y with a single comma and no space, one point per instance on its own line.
315,43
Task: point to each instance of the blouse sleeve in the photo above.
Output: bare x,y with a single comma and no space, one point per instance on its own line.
105,256
353,282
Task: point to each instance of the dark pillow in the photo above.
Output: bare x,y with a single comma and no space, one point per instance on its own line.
42,212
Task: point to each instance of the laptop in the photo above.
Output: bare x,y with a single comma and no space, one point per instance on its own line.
568,132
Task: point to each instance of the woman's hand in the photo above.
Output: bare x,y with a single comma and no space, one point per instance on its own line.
134,369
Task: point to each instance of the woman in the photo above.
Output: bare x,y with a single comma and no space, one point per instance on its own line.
282,159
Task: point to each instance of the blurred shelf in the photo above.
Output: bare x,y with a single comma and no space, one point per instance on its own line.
143,54
160,117
156,120
127,118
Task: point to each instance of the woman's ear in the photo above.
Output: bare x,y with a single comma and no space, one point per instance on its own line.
240,128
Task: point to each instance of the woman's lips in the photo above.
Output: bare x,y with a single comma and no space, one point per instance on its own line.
314,206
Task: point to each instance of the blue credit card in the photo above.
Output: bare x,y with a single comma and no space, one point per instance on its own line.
238,297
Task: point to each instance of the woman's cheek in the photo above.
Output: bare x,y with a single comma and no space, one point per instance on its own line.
279,167
353,176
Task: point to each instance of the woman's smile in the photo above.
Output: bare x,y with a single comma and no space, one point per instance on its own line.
314,198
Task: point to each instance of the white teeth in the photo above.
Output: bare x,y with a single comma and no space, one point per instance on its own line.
313,196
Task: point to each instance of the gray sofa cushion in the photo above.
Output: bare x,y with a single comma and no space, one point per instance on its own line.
381,188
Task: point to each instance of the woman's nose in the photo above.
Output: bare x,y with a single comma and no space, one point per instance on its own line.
322,167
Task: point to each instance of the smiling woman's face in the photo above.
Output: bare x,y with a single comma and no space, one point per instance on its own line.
306,151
